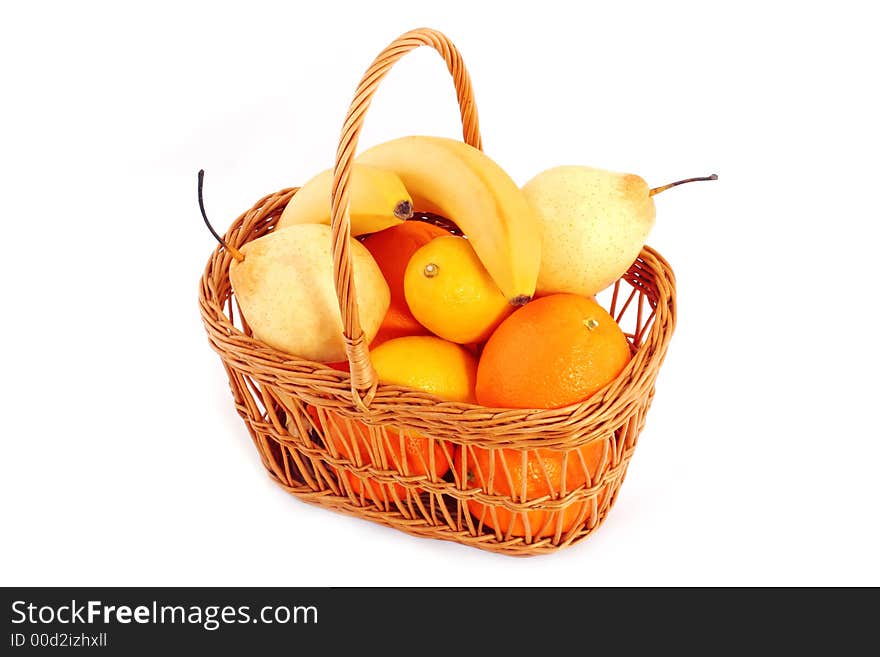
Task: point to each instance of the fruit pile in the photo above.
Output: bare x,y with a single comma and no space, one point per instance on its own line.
469,288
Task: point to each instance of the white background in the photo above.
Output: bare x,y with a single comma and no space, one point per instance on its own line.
123,460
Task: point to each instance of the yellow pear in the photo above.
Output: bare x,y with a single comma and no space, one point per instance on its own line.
284,285
595,223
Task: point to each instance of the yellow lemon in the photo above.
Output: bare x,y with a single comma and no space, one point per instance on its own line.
449,291
427,363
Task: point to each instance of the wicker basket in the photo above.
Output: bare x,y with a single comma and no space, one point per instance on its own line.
335,439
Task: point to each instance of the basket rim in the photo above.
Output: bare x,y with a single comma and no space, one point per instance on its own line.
267,365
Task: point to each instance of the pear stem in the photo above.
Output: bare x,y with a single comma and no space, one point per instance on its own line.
657,190
238,255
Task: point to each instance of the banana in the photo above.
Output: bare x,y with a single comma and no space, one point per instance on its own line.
378,201
462,184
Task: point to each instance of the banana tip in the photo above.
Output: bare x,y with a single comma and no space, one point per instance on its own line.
520,300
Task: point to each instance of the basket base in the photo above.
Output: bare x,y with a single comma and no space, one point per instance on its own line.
517,547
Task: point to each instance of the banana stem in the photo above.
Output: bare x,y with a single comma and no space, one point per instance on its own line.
238,255
403,210
657,190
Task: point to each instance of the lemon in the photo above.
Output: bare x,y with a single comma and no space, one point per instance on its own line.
427,363
449,291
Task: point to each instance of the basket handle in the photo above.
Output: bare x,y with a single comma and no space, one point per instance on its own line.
363,376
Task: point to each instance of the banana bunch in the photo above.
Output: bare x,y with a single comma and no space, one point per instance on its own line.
448,178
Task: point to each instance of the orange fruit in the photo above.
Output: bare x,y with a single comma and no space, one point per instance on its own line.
391,249
427,363
354,442
552,352
543,468
450,292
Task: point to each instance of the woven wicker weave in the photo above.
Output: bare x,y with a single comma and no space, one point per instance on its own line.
305,417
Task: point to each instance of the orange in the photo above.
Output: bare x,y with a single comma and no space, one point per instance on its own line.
354,442
392,249
552,352
450,292
543,467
